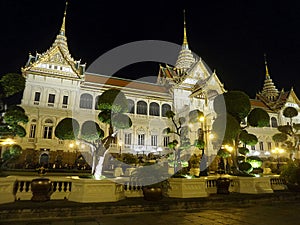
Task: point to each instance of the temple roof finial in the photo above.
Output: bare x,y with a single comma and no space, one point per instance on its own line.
266,65
63,26
185,58
185,43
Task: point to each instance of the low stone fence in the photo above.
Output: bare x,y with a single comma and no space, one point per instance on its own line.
61,187
14,188
278,183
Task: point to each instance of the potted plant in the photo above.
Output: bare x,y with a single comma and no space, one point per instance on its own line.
154,181
291,174
223,182
194,163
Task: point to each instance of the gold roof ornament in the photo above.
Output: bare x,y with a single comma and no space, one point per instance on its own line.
185,58
185,42
63,26
266,65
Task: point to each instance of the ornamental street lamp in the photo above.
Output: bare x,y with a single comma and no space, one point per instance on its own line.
8,141
205,135
278,151
75,146
120,146
5,143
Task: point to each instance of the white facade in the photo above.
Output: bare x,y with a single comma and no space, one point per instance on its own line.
57,87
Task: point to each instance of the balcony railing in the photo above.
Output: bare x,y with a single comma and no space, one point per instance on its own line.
138,149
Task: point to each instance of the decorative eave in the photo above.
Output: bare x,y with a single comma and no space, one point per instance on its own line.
275,105
204,86
169,74
55,57
256,103
293,95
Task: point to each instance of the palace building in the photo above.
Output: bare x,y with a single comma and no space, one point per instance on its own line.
58,86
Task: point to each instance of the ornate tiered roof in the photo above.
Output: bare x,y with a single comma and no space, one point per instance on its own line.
57,57
269,91
190,74
272,98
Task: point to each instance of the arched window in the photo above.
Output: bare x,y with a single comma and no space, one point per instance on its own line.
32,131
48,129
48,121
154,109
44,159
86,101
96,102
142,108
130,106
274,122
164,109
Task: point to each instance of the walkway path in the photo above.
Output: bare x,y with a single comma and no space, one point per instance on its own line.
263,214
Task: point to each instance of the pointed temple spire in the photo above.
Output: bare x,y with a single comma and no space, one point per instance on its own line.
61,39
63,26
185,58
266,65
269,90
185,42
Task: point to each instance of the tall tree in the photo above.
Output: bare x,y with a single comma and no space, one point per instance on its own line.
113,105
11,125
238,110
91,134
289,136
181,130
11,83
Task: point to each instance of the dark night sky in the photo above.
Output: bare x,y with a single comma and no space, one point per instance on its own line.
230,36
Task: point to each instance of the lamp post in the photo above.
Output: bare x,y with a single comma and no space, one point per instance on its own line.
205,135
229,149
74,146
278,151
120,147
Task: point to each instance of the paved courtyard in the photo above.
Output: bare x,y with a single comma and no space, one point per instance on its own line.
263,214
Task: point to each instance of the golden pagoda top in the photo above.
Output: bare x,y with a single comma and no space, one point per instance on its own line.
185,58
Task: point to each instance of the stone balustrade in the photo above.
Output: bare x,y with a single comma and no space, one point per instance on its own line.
277,183
14,188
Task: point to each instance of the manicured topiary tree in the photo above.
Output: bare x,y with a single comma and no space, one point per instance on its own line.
11,83
12,120
238,109
91,134
289,135
181,130
113,105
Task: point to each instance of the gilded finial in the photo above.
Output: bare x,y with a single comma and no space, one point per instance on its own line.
184,30
63,26
266,65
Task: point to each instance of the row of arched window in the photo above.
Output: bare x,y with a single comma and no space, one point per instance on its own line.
141,107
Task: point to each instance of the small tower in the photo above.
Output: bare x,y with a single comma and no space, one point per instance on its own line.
185,58
269,90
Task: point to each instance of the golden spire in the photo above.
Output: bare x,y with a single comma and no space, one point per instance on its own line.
185,43
63,26
266,65
185,58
